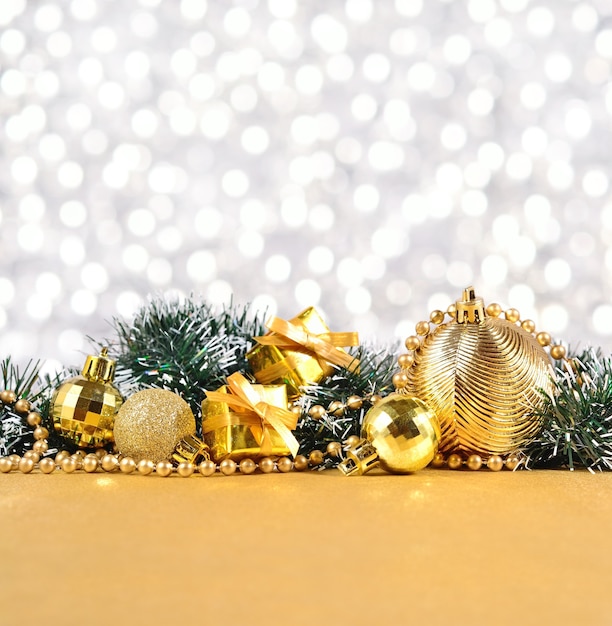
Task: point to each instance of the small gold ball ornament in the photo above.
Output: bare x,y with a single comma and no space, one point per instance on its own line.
482,373
83,408
151,423
400,433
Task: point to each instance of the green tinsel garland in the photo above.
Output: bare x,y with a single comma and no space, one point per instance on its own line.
577,417
186,347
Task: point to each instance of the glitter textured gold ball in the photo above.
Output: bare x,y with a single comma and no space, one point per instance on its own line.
150,424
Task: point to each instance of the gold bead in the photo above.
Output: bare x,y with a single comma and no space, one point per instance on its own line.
40,432
557,352
334,448
400,380
227,467
40,446
375,398
15,458
494,309
163,468
317,412
315,457
145,467
454,461
90,463
512,461
512,315
412,343
296,409
495,463
100,453
336,408
452,310
354,402
127,465
247,466
5,465
22,406
474,462
185,469
26,465
543,339
266,465
300,463
437,316
422,329
528,326
79,460
33,419
284,464
61,455
352,441
32,454
438,460
207,468
405,360
7,396
109,462
69,464
46,465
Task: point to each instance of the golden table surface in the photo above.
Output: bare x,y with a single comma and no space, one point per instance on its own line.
436,547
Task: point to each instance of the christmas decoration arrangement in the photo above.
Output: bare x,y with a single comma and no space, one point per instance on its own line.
184,389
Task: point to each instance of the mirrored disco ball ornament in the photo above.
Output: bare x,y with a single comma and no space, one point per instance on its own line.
83,408
399,434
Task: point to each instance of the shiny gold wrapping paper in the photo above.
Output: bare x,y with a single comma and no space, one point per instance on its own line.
238,440
295,367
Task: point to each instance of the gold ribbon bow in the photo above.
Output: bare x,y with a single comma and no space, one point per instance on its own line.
249,410
325,346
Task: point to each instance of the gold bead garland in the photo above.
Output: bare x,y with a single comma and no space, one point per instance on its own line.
101,460
475,462
337,408
27,462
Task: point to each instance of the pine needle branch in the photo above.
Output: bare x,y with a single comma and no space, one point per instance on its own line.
186,347
577,417
377,365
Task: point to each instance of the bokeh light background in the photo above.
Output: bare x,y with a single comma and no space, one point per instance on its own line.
370,158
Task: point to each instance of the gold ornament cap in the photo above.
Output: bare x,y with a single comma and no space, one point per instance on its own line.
470,309
360,459
99,369
190,449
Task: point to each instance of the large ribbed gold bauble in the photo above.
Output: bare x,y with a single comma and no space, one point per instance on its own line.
482,377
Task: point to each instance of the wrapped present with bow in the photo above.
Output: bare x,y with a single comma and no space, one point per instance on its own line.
243,420
300,351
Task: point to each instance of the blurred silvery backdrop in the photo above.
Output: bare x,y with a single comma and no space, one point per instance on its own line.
372,158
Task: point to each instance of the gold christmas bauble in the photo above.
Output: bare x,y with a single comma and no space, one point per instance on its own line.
151,423
83,408
404,432
482,375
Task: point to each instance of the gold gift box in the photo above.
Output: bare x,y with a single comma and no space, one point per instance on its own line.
244,433
292,367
